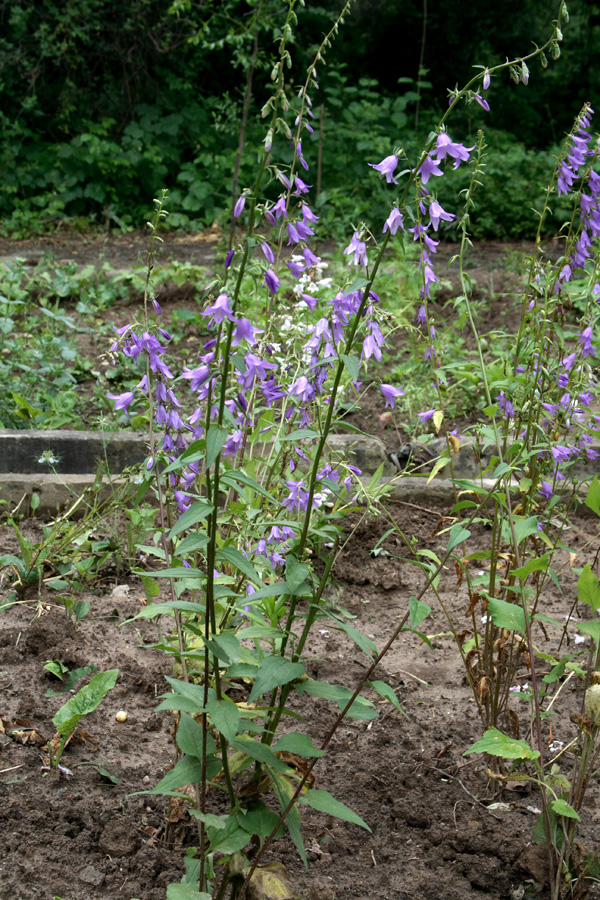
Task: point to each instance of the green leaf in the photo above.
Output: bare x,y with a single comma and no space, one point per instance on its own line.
71,679
592,628
497,744
368,647
418,611
260,752
229,839
215,439
458,535
324,802
507,615
352,364
273,672
187,771
361,708
198,512
562,808
593,496
259,820
298,743
296,573
300,434
284,790
189,737
588,588
225,646
236,559
209,819
85,701
185,892
176,572
151,589
56,668
389,693
524,528
225,717
536,564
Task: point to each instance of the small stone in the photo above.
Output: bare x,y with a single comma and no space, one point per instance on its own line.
146,779
121,716
90,875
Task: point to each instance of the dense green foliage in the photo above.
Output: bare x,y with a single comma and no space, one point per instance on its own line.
103,104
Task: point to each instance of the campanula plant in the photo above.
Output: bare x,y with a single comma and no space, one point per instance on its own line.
252,500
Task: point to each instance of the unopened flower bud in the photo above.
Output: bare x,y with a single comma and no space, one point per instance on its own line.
544,61
592,703
524,73
555,50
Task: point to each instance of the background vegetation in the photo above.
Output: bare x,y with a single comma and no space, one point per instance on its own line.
103,104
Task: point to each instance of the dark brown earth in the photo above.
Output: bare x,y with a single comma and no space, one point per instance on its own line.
433,833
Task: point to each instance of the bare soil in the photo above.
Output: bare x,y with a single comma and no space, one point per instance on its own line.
434,832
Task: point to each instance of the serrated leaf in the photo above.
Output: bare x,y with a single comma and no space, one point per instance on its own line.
497,744
368,647
85,701
229,839
458,535
300,744
226,647
562,808
588,588
198,512
324,802
273,672
507,615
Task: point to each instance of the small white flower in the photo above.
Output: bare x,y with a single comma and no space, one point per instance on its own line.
579,638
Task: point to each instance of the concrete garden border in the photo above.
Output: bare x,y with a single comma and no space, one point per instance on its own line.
78,454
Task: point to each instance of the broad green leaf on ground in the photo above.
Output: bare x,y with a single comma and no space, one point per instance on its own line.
324,802
507,615
187,771
588,588
85,701
497,744
273,672
298,743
